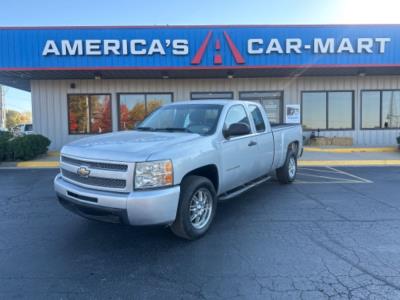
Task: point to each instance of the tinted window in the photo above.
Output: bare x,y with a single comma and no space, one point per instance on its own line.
236,114
89,114
340,110
133,108
100,113
370,109
390,109
257,118
314,110
327,110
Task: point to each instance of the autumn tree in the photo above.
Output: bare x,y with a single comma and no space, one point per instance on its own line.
13,118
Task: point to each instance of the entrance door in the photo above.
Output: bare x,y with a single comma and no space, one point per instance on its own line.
271,101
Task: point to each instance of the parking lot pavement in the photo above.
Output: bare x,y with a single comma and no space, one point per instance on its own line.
334,233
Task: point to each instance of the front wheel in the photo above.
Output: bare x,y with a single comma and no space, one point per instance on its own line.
197,207
287,173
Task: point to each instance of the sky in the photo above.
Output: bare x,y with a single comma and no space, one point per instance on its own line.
181,12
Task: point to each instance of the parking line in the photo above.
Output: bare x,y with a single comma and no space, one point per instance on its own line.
328,182
321,176
351,175
322,170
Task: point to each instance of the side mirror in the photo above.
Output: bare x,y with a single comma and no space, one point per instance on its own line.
237,129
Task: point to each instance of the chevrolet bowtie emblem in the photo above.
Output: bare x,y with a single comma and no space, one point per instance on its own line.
83,171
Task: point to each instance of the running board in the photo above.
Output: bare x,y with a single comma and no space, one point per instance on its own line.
243,188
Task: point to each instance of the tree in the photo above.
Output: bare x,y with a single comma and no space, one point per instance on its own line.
124,117
13,118
26,117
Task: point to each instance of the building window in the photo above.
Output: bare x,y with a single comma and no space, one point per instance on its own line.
211,95
89,114
133,108
327,110
257,118
271,101
380,109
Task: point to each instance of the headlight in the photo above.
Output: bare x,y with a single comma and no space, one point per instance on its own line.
154,174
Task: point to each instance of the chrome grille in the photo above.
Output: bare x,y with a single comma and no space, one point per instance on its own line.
95,165
95,181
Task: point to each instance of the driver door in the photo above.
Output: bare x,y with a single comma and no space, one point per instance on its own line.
238,154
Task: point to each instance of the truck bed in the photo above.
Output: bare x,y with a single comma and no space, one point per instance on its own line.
279,126
284,134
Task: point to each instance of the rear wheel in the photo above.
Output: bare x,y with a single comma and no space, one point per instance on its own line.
197,207
287,173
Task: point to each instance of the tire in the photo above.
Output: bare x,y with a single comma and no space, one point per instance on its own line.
192,188
286,174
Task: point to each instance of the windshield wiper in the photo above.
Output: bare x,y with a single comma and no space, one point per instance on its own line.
171,129
145,128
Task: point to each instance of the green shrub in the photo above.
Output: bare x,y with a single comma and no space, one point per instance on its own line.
398,140
4,138
5,135
27,147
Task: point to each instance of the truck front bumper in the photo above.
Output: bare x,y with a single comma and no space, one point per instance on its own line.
151,207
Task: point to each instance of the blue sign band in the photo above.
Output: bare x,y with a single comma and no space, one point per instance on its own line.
199,47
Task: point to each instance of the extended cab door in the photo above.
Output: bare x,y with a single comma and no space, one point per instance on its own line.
238,153
265,139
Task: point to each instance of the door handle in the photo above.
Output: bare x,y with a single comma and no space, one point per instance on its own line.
252,143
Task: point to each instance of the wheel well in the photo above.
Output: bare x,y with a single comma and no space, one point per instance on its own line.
295,147
209,171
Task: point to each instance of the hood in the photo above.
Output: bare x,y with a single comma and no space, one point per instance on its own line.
127,146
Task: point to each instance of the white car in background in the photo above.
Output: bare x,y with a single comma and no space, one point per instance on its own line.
23,129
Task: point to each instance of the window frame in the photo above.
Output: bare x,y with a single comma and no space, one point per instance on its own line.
380,107
145,102
90,112
262,118
210,92
281,102
326,92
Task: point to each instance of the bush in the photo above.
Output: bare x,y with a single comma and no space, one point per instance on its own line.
398,140
27,147
4,138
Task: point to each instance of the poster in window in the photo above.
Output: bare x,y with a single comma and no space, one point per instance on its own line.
293,113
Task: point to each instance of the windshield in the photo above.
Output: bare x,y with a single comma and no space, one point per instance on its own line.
192,118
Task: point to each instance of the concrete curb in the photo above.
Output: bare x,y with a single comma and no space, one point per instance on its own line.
345,163
38,164
352,150
301,163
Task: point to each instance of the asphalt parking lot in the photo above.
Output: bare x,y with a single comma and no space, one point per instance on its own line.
335,233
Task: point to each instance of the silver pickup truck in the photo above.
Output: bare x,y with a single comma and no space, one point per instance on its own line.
175,166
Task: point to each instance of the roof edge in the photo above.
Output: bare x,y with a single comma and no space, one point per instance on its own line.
66,27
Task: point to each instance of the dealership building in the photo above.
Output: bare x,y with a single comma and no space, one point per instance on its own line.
344,80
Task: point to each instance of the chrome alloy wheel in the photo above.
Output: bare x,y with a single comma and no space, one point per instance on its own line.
200,208
292,167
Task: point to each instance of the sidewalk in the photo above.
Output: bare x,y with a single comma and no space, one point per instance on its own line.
312,157
51,160
350,156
